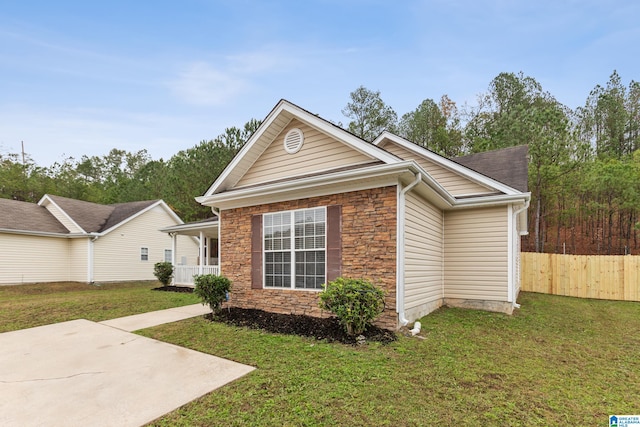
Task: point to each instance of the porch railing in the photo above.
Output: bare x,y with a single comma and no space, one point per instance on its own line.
183,274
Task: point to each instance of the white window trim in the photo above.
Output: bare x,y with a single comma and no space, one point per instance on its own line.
141,254
292,251
170,255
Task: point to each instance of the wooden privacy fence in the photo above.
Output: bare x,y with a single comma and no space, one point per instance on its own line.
615,277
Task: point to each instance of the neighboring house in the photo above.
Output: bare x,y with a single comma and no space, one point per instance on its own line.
305,202
62,239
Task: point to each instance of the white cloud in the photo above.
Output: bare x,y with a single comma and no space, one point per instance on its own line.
202,84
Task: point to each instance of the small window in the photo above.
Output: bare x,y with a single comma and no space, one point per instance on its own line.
144,254
168,255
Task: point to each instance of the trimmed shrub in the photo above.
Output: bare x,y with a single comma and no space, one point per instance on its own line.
212,290
355,302
163,272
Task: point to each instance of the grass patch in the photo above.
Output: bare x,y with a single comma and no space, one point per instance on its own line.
556,361
26,306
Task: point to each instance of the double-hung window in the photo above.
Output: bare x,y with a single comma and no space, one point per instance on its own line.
295,249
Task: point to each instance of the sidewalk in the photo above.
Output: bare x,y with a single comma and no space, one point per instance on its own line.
87,374
155,318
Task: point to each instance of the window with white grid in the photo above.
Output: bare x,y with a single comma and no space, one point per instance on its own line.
295,249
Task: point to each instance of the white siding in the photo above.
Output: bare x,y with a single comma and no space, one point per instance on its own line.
78,259
423,256
31,259
63,218
319,153
476,254
117,254
454,183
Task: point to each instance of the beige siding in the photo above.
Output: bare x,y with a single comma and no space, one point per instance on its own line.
117,254
63,218
423,255
454,183
318,153
476,254
31,259
78,260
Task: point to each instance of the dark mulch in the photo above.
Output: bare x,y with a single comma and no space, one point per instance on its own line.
184,289
292,324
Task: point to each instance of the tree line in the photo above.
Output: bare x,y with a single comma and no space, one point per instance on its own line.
122,176
584,163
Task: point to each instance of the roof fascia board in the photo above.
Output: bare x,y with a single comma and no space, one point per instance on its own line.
500,199
373,175
246,148
342,135
446,163
48,200
313,121
47,234
189,227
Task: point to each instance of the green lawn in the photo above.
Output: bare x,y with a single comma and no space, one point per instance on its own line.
556,361
25,306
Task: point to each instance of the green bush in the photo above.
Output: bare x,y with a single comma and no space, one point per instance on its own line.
163,272
355,302
212,290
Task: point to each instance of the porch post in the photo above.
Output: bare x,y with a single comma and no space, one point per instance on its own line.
201,252
174,246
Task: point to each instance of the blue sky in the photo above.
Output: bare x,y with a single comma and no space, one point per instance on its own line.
83,77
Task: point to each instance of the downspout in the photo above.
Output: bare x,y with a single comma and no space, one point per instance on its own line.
515,221
216,212
90,259
400,279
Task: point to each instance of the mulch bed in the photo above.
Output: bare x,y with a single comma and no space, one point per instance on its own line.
184,289
327,329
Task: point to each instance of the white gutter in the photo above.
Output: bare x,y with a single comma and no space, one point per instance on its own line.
46,233
355,175
514,219
400,261
216,212
500,199
90,258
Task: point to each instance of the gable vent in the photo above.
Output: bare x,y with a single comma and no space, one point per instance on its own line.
293,141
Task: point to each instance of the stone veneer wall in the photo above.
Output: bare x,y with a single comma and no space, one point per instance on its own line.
368,251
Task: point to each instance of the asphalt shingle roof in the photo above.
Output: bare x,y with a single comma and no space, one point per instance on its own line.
25,216
96,218
508,165
91,217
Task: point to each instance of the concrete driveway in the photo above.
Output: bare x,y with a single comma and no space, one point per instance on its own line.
82,373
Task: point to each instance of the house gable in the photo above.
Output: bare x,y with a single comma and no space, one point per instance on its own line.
453,171
454,182
319,153
272,128
60,214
